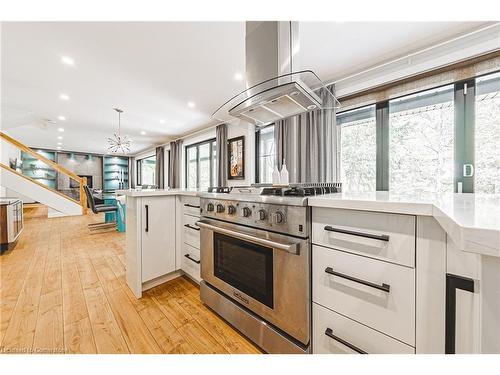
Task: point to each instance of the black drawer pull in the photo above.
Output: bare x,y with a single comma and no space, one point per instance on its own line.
381,237
190,205
191,227
194,260
147,218
384,287
330,334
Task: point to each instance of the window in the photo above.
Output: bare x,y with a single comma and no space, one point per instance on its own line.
146,171
265,154
358,149
487,134
421,133
201,163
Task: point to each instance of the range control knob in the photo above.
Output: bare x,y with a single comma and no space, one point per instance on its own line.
231,209
262,215
220,208
279,217
247,212
210,207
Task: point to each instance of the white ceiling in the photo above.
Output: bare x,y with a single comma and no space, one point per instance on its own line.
152,70
338,49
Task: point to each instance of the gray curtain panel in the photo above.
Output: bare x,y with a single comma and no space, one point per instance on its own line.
132,172
174,179
160,167
308,144
221,142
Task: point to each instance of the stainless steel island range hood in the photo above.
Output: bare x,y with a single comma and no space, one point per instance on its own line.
274,90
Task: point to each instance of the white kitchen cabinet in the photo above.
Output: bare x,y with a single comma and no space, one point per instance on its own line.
190,254
383,236
335,334
378,294
150,241
157,236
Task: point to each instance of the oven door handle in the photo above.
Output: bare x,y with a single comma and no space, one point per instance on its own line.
292,248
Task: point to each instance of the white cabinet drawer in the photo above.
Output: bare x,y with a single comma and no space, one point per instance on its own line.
190,262
352,285
191,205
377,235
336,334
191,231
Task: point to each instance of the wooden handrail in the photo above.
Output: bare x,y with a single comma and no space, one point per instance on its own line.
2,165
82,181
53,164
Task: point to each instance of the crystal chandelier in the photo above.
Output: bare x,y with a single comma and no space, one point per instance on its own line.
119,143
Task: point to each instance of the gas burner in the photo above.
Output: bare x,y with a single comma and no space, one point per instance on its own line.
219,189
274,191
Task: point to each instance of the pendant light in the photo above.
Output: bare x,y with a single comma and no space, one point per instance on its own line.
118,143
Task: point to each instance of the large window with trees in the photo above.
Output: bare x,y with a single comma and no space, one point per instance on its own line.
440,140
421,128
265,154
201,172
358,149
487,134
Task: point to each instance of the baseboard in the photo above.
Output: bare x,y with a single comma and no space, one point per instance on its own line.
160,280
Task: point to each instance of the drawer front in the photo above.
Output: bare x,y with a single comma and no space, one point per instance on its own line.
378,294
191,205
191,231
376,235
336,334
189,262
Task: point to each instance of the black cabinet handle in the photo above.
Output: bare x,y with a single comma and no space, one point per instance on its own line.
381,237
384,287
330,334
147,218
453,282
190,205
194,260
191,227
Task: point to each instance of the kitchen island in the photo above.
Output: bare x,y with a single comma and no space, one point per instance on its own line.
161,225
421,269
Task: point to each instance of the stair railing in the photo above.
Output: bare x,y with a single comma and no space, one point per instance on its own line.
42,163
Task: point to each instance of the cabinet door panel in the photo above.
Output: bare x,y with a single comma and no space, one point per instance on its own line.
158,236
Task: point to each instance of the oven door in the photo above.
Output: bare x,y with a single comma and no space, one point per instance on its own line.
265,272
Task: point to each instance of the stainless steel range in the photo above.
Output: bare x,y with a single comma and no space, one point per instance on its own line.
255,262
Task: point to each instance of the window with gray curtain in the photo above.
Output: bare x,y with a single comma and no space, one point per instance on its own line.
308,144
265,155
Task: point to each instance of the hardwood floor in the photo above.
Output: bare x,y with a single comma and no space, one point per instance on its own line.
63,290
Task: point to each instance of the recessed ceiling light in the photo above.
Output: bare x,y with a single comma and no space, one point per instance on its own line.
143,132
64,97
60,129
59,143
58,147
61,118
191,105
162,121
67,60
238,76
59,137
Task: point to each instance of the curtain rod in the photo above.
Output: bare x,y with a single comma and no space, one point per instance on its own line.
415,53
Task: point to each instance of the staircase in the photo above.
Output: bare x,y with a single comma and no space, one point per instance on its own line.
39,181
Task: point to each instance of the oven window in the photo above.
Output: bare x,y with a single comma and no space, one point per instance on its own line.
245,266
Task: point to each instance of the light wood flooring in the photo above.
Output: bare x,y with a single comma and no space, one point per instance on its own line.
63,290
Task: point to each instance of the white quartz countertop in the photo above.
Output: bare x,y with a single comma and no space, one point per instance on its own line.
471,220
156,192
